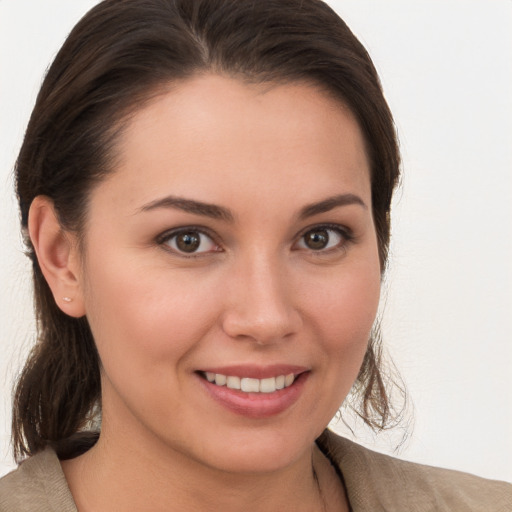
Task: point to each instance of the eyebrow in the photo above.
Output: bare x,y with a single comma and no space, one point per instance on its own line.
190,206
219,212
329,204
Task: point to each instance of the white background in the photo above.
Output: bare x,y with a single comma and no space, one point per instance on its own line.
446,68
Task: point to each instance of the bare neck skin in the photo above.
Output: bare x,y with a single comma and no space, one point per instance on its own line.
107,478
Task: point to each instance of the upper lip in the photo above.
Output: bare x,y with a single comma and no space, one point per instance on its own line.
255,371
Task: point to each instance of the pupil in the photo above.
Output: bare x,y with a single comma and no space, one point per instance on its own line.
317,239
188,242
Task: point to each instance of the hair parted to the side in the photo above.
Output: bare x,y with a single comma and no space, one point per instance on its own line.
120,55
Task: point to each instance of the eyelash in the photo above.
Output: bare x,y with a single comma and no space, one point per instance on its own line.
167,236
345,233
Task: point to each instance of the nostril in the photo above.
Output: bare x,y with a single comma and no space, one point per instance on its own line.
263,329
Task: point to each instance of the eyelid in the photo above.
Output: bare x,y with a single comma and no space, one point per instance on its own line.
345,232
170,233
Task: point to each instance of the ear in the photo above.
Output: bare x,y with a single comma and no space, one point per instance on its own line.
58,257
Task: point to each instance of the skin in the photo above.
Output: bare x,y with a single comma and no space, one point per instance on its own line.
254,294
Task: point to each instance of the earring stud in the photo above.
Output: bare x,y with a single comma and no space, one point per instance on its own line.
67,299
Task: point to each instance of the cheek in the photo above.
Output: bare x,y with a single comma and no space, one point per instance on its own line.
346,308
143,314
146,325
341,314
344,314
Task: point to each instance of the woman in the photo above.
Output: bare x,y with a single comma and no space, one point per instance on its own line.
206,189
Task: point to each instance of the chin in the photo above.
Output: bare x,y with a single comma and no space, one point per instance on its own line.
255,450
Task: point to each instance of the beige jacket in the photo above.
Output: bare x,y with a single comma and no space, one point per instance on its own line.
374,483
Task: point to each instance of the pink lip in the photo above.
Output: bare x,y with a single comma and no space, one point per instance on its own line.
256,405
256,372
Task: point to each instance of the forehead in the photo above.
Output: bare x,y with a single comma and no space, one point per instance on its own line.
218,135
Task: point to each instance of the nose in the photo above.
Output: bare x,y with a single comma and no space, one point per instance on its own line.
260,303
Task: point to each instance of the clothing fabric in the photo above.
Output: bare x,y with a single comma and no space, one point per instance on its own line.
381,483
374,483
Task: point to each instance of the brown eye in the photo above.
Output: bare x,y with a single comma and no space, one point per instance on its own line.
190,241
322,238
316,239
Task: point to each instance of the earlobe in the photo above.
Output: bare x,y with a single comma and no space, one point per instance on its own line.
56,252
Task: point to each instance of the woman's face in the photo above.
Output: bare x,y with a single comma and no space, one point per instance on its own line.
234,242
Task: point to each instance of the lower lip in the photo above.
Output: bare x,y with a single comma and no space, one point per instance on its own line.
256,405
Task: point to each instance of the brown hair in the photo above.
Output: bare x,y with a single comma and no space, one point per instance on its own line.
118,56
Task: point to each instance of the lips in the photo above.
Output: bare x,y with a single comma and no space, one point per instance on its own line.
255,392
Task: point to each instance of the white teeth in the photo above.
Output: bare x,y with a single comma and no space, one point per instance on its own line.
249,385
268,385
220,379
233,382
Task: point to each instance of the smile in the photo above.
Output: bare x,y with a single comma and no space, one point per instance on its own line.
256,392
251,385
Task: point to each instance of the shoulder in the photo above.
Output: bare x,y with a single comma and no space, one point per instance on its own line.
375,481
37,485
